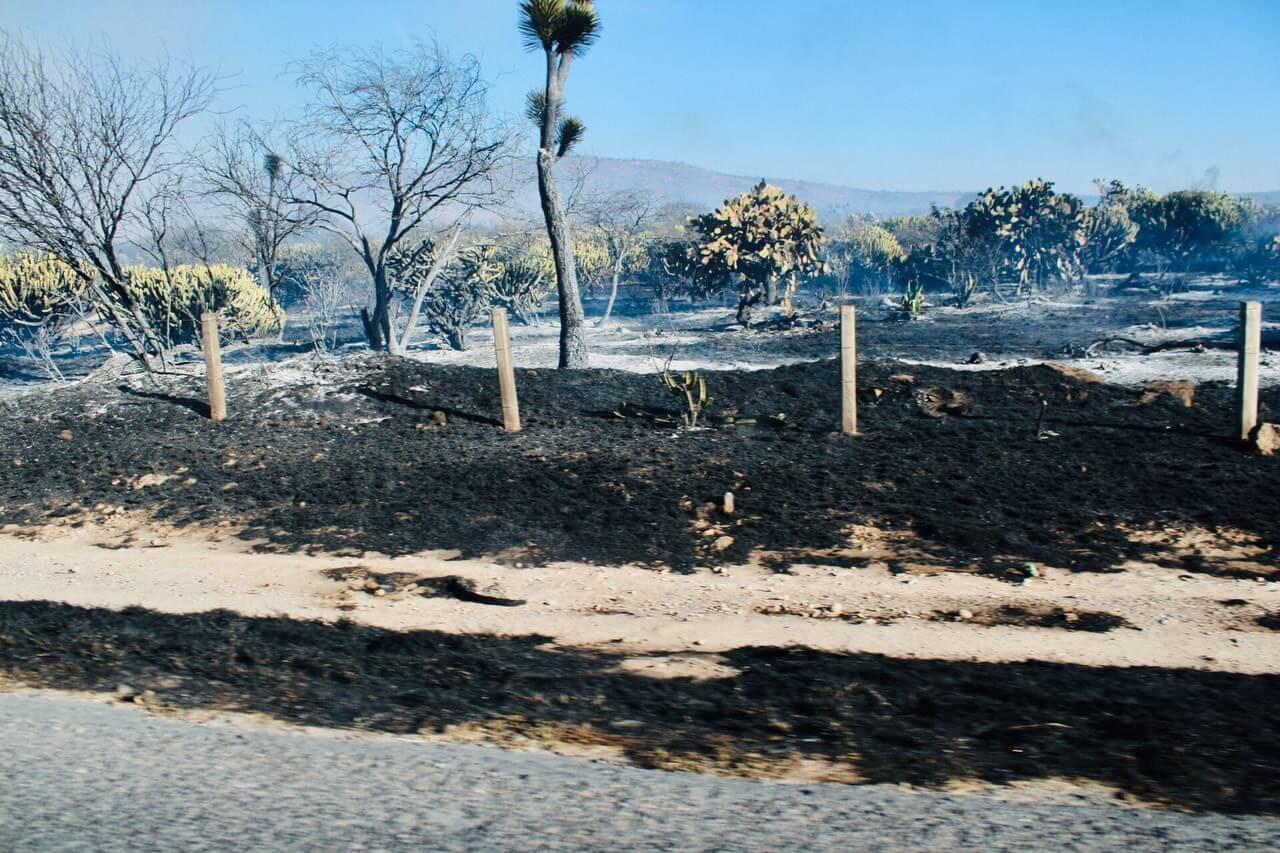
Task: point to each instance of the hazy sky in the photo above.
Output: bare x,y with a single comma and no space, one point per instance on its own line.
901,95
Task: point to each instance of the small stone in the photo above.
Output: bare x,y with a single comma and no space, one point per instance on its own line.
66,435
371,584
356,583
1072,617
727,505
723,543
1182,390
379,592
1265,438
966,614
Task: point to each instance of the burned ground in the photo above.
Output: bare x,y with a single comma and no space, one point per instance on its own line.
359,461
1181,737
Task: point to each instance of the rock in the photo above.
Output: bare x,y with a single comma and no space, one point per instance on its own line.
1071,617
1182,390
723,543
1077,373
371,584
976,358
147,480
937,402
966,614
379,592
727,505
1265,438
66,435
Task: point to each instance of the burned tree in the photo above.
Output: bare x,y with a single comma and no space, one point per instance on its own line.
244,174
82,140
393,143
620,220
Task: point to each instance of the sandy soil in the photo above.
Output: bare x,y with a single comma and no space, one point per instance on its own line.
676,623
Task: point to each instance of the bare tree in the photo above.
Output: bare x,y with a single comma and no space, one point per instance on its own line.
620,219
82,139
562,30
242,169
417,269
392,143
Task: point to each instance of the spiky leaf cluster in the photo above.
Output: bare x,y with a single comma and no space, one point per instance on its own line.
560,26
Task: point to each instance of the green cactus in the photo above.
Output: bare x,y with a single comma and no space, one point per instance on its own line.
691,389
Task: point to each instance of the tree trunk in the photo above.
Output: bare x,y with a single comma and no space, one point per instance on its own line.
443,259
573,346
377,326
771,291
613,297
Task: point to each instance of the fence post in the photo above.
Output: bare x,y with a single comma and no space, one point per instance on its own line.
1247,368
213,365
848,372
506,371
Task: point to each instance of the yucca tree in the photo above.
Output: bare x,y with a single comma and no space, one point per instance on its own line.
562,30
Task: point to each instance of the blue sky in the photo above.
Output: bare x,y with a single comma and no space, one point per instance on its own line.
903,95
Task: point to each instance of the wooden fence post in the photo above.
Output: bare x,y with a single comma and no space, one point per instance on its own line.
1247,368
848,372
506,371
213,365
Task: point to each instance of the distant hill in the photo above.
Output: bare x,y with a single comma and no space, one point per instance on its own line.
674,182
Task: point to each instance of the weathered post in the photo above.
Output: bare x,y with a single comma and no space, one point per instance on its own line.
1247,368
213,365
506,371
848,372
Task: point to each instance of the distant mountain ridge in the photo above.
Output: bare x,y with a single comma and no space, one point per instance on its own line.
675,182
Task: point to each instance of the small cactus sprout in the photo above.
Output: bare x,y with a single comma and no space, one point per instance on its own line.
691,389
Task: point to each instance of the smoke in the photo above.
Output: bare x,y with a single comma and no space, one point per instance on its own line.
1208,180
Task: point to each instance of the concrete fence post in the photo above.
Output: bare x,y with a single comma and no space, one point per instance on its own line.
506,371
213,366
1247,369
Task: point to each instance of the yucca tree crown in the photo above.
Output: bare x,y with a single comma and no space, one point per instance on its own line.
562,29
559,26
